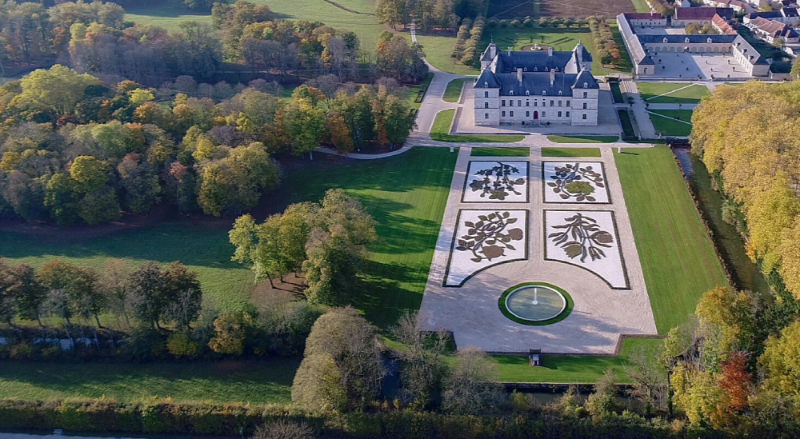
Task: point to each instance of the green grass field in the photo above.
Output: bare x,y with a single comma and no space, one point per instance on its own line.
364,24
676,254
583,139
570,152
453,91
221,382
570,369
671,122
640,5
437,50
204,249
673,93
616,92
501,152
441,128
627,124
406,195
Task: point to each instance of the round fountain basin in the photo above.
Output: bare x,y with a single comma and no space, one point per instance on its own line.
535,303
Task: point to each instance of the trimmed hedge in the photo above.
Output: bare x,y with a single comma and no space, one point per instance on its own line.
164,417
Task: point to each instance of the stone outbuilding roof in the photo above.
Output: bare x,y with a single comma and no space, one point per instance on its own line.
702,13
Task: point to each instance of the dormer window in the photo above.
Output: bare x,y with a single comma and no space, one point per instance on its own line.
525,69
544,92
560,92
665,39
556,68
527,92
708,40
686,40
585,85
535,68
546,69
511,92
486,84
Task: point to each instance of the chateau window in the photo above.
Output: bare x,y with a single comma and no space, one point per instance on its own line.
560,92
584,105
503,114
535,103
584,117
585,85
503,103
485,115
559,114
519,103
551,103
511,93
585,94
512,114
486,94
567,103
544,92
567,113
559,103
485,105
510,102
527,103
527,114
544,114
527,92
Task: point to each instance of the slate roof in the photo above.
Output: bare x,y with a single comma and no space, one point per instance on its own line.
536,82
790,12
647,61
702,13
487,79
531,60
768,15
586,77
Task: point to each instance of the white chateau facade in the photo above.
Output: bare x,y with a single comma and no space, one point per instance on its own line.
536,88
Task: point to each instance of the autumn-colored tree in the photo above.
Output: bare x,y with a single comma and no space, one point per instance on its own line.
736,381
339,133
781,361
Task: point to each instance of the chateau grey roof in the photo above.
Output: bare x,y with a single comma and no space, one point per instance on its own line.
487,79
689,39
702,13
537,82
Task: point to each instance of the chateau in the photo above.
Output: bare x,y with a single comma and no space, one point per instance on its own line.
536,87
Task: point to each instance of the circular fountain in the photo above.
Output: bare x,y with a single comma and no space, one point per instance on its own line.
535,303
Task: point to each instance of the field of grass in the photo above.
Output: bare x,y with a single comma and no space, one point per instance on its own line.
677,93
222,382
676,254
570,369
204,249
583,139
441,128
671,122
437,50
640,5
364,24
616,92
725,235
570,152
501,152
453,91
406,195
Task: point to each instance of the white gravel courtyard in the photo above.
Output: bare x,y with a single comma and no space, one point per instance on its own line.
487,245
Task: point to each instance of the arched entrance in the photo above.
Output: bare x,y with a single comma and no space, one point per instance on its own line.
535,115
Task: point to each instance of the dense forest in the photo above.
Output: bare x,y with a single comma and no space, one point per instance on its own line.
84,142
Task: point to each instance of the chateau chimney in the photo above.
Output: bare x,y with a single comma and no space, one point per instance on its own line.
519,74
549,51
509,51
492,50
552,77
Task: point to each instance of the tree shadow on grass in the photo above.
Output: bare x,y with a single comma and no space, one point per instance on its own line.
387,291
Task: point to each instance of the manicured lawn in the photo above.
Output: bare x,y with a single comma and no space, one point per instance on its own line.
453,91
640,5
441,128
570,152
222,382
364,24
204,249
570,369
672,122
616,92
583,139
501,152
676,254
725,235
675,93
438,48
406,195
